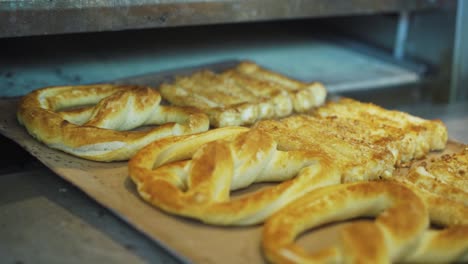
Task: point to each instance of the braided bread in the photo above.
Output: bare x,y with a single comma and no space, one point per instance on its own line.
257,155
401,221
399,233
243,95
355,159
439,185
443,183
91,121
406,136
192,175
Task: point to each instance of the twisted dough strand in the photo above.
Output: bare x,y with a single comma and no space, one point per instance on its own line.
243,95
407,136
270,151
446,206
222,160
442,184
62,118
401,221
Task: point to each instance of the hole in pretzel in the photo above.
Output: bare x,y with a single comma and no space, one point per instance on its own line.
316,239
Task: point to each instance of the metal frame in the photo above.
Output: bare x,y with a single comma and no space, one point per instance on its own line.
458,86
401,35
43,17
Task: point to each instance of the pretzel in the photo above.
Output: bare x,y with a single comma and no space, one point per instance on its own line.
401,219
295,150
173,185
443,184
91,121
407,136
192,175
243,94
399,233
356,159
440,185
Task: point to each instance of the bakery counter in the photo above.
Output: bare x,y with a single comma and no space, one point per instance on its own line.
44,219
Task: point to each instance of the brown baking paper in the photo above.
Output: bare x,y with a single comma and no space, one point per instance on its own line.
109,185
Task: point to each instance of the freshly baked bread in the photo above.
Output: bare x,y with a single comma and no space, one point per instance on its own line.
92,121
193,175
407,136
399,234
443,184
440,184
367,141
243,95
355,159
295,150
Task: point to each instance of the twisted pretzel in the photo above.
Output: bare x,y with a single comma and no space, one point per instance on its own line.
243,95
443,184
192,175
91,121
255,156
440,185
356,159
401,221
407,136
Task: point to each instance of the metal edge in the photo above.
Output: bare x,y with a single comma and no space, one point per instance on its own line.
368,50
459,74
42,17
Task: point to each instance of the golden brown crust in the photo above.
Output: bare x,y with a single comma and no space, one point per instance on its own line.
407,136
355,159
243,95
402,240
437,185
97,129
401,218
445,246
443,184
195,181
197,184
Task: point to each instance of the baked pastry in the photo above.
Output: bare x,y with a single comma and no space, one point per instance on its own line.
401,218
399,233
406,136
443,184
94,121
440,184
243,95
356,159
192,175
366,140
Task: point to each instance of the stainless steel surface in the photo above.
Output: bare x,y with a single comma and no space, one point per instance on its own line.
401,35
459,89
430,40
44,219
42,17
299,53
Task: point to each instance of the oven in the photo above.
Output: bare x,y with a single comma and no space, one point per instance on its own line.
407,55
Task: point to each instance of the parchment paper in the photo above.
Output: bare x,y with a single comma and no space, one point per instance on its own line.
109,185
